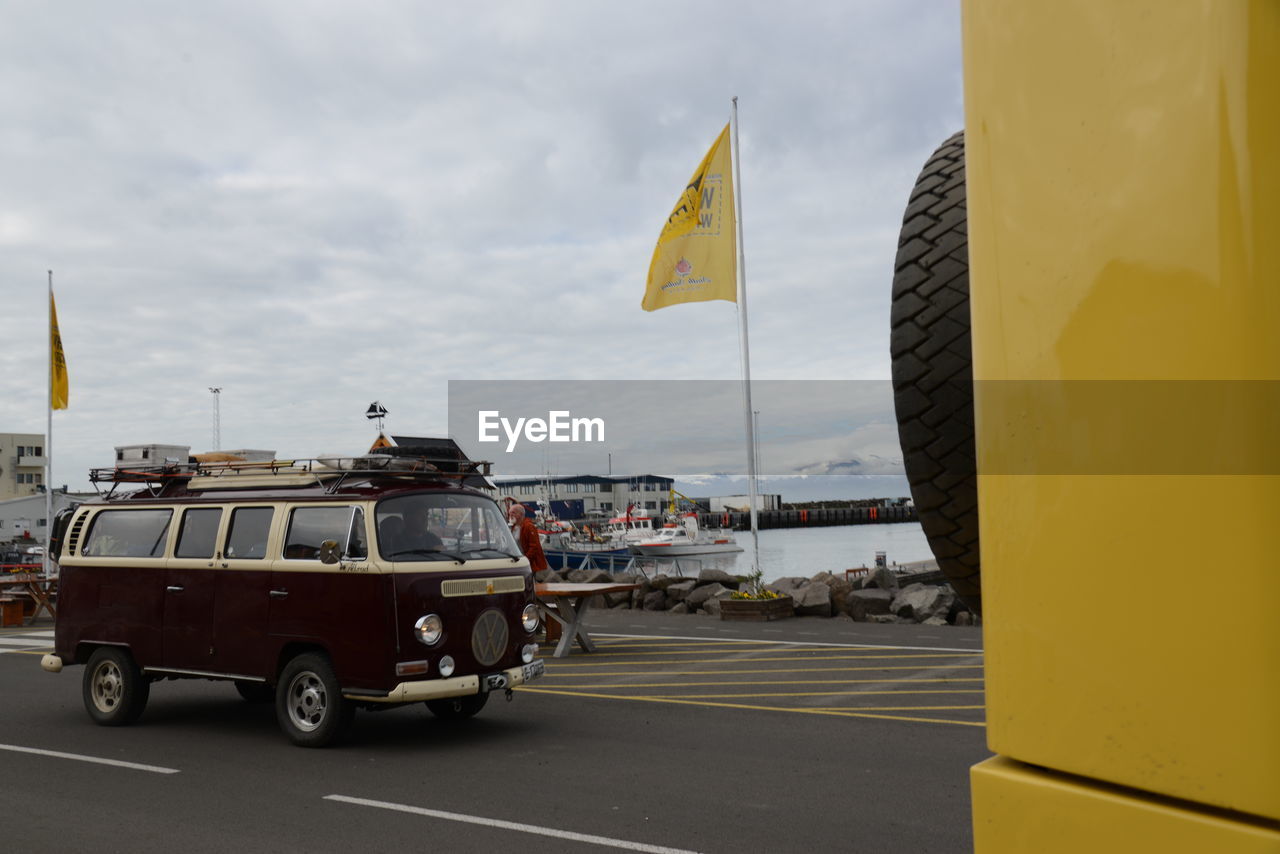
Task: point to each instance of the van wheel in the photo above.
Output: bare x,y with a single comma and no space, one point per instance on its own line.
932,359
255,692
458,708
309,703
115,691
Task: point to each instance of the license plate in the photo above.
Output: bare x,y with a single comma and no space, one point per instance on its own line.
533,671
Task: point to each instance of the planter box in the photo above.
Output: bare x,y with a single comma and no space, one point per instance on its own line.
757,610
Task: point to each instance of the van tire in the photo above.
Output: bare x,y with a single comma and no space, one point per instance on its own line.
115,690
458,708
932,359
310,707
255,692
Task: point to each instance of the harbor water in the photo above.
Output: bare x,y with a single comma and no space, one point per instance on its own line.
808,551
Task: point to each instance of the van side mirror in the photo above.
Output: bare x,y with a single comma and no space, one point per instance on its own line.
329,551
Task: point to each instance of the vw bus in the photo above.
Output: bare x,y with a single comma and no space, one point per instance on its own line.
322,585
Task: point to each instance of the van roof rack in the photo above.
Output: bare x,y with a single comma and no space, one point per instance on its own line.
199,476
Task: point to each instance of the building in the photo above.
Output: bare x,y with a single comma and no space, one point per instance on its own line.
22,465
584,495
24,519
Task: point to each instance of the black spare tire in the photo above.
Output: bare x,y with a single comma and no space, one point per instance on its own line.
933,367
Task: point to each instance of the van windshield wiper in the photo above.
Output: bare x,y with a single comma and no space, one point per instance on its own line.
494,550
430,554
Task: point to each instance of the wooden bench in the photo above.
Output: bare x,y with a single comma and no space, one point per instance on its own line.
42,591
567,604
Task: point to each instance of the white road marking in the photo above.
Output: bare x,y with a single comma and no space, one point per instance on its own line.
511,825
976,650
56,754
17,641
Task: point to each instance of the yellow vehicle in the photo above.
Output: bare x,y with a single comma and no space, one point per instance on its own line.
1103,239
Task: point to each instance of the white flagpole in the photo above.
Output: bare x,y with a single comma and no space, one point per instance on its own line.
48,439
742,335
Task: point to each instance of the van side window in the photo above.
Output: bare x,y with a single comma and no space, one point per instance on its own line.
128,533
247,536
311,526
199,532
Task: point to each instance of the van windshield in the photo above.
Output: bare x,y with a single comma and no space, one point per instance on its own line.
443,527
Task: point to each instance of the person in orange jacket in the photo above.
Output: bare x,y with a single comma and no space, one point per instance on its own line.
527,536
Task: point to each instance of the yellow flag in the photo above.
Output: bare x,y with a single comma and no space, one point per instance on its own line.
59,387
696,258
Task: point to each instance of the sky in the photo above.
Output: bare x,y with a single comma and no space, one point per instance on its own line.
315,205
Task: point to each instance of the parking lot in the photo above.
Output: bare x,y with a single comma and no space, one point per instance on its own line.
679,734
777,676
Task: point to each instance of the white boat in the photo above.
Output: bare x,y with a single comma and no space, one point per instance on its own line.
634,526
686,538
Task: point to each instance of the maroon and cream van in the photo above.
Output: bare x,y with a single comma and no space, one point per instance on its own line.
322,585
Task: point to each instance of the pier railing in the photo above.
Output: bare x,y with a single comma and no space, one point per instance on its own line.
815,518
646,565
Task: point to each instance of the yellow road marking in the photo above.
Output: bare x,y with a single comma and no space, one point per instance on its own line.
768,670
841,713
809,693
854,652
620,685
755,660
893,708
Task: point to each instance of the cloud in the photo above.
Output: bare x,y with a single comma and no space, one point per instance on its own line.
314,206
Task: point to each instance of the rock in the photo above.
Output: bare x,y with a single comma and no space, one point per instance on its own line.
548,576
616,599
935,621
922,601
786,584
680,608
637,595
590,576
680,590
883,579
662,582
882,618
701,594
839,588
863,604
964,618
712,606
812,600
713,576
656,600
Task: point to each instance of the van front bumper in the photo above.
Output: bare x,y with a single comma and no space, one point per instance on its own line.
458,686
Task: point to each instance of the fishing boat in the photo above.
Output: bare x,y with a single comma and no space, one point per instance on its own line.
685,537
631,527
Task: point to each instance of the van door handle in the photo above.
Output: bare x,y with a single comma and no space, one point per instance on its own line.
279,594
173,588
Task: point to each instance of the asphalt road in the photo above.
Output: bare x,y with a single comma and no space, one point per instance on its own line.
680,733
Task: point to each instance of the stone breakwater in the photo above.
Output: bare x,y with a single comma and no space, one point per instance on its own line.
876,597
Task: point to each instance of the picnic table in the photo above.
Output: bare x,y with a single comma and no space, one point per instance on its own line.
567,604
41,589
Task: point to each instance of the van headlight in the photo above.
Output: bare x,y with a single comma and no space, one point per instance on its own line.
429,629
529,619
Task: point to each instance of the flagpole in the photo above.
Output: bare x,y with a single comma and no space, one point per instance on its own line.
48,439
742,336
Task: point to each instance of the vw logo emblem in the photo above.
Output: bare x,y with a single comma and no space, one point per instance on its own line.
489,637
